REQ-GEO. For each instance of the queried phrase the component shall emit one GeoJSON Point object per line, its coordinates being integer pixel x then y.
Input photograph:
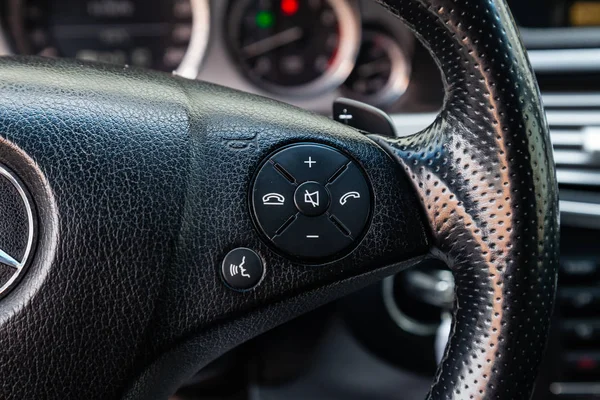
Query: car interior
{"type": "Point", "coordinates": [299, 199]}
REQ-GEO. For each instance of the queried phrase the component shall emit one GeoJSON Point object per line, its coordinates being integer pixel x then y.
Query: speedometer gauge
{"type": "Point", "coordinates": [301, 47]}
{"type": "Point", "coordinates": [382, 72]}
{"type": "Point", "coordinates": [166, 35]}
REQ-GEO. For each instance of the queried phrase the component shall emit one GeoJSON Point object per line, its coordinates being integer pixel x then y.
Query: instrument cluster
{"type": "Point", "coordinates": [166, 35]}
{"type": "Point", "coordinates": [290, 49]}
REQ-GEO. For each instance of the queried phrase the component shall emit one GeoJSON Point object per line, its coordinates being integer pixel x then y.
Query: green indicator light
{"type": "Point", "coordinates": [264, 19]}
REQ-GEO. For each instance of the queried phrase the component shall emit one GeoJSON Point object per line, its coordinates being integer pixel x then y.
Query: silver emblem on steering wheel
{"type": "Point", "coordinates": [16, 234]}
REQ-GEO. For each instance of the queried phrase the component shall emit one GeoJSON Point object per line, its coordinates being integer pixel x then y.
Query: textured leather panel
{"type": "Point", "coordinates": [148, 179]}
{"type": "Point", "coordinates": [485, 174]}
{"type": "Point", "coordinates": [110, 146]}
{"type": "Point", "coordinates": [175, 367]}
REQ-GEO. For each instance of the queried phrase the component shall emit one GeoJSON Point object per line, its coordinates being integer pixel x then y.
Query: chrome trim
{"type": "Point", "coordinates": [565, 60]}
{"type": "Point", "coordinates": [552, 38]}
{"type": "Point", "coordinates": [567, 137]}
{"type": "Point", "coordinates": [19, 266]}
{"type": "Point", "coordinates": [579, 208]}
{"type": "Point", "coordinates": [192, 60]}
{"type": "Point", "coordinates": [574, 388]}
{"type": "Point", "coordinates": [435, 289]}
{"type": "Point", "coordinates": [578, 177]}
{"type": "Point", "coordinates": [573, 157]}
{"type": "Point", "coordinates": [407, 124]}
{"type": "Point", "coordinates": [591, 140]}
{"type": "Point", "coordinates": [572, 118]}
{"type": "Point", "coordinates": [562, 100]}
{"type": "Point", "coordinates": [6, 259]}
{"type": "Point", "coordinates": [402, 320]}
{"type": "Point", "coordinates": [442, 336]}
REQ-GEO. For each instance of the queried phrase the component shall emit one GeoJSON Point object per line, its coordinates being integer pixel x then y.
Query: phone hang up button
{"type": "Point", "coordinates": [272, 199]}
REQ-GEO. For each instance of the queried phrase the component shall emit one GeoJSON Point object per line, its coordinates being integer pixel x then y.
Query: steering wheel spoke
{"type": "Point", "coordinates": [149, 197]}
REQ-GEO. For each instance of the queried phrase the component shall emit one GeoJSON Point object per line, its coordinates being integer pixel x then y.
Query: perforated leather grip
{"type": "Point", "coordinates": [485, 174]}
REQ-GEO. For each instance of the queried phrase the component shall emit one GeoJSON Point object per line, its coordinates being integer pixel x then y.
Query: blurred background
{"type": "Point", "coordinates": [385, 341]}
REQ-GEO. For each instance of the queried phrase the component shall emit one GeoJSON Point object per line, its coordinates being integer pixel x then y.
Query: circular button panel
{"type": "Point", "coordinates": [311, 201]}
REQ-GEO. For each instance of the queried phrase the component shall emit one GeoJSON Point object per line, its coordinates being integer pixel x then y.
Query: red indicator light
{"type": "Point", "coordinates": [290, 7]}
{"type": "Point", "coordinates": [586, 363]}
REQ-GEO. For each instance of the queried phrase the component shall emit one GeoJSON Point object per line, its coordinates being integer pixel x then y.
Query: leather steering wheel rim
{"type": "Point", "coordinates": [140, 180]}
{"type": "Point", "coordinates": [484, 171]}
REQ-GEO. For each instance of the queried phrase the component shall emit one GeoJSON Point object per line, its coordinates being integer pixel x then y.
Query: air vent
{"type": "Point", "coordinates": [575, 70]}
{"type": "Point", "coordinates": [575, 129]}
{"type": "Point", "coordinates": [574, 121]}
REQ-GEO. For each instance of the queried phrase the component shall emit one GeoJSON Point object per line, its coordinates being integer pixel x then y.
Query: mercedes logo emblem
{"type": "Point", "coordinates": [17, 226]}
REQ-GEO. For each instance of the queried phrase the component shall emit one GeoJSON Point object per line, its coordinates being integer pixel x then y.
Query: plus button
{"type": "Point", "coordinates": [310, 162]}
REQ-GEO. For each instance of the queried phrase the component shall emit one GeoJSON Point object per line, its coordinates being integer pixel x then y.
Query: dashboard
{"type": "Point", "coordinates": [308, 53]}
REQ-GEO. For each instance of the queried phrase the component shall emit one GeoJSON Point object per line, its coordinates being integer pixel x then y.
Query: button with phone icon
{"type": "Point", "coordinates": [351, 200]}
{"type": "Point", "coordinates": [350, 195]}
{"type": "Point", "coordinates": [273, 199]}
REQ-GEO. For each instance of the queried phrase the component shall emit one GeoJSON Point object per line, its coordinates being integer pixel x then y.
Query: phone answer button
{"type": "Point", "coordinates": [351, 199]}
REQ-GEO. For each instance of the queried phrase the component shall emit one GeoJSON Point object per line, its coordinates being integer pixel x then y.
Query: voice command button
{"type": "Point", "coordinates": [242, 269]}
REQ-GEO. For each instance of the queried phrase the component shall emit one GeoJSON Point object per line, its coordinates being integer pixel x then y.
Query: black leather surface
{"type": "Point", "coordinates": [141, 182]}
{"type": "Point", "coordinates": [485, 174]}
{"type": "Point", "coordinates": [104, 155]}
{"type": "Point", "coordinates": [147, 178]}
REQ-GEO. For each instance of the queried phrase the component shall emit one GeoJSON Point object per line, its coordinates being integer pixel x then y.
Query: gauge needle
{"type": "Point", "coordinates": [272, 42]}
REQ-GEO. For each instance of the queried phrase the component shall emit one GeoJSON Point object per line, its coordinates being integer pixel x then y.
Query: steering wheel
{"type": "Point", "coordinates": [128, 195]}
